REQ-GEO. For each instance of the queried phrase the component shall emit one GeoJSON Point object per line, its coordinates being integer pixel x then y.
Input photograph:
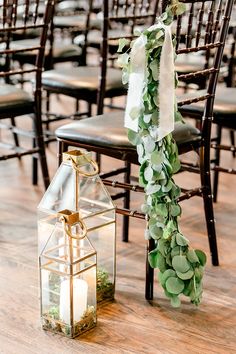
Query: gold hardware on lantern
{"type": "Point", "coordinates": [78, 159]}
{"type": "Point", "coordinates": [70, 219]}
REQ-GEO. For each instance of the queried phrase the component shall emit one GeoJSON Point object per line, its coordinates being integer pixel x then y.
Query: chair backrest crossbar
{"type": "Point", "coordinates": [18, 17]}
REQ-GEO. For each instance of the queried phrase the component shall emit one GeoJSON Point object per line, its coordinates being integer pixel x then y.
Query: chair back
{"type": "Point", "coordinates": [19, 18]}
{"type": "Point", "coordinates": [205, 27]}
{"type": "Point", "coordinates": [122, 17]}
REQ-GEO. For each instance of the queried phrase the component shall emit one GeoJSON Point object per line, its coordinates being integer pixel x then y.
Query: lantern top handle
{"type": "Point", "coordinates": [69, 219]}
{"type": "Point", "coordinates": [78, 159]}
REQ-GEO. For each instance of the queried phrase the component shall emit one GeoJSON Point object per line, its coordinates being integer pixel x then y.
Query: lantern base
{"type": "Point", "coordinates": [87, 322]}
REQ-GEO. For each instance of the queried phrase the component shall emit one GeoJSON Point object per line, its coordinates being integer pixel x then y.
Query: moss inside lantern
{"type": "Point", "coordinates": [105, 288]}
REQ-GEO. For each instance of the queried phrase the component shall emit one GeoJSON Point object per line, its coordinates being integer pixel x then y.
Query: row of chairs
{"type": "Point", "coordinates": [104, 133]}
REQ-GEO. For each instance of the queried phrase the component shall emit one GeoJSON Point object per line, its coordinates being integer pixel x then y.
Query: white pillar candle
{"type": "Point", "coordinates": [80, 293]}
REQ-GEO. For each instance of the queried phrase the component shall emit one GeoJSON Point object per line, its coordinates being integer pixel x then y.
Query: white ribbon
{"type": "Point", "coordinates": [137, 81]}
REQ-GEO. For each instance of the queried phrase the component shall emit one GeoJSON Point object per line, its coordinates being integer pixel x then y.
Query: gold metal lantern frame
{"type": "Point", "coordinates": [68, 278]}
{"type": "Point", "coordinates": [78, 187]}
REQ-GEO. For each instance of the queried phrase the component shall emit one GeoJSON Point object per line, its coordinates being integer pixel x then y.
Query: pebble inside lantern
{"type": "Point", "coordinates": [68, 278]}
{"type": "Point", "coordinates": [78, 187]}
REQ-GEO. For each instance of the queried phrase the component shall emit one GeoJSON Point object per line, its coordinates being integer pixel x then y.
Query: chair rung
{"type": "Point", "coordinates": [187, 194]}
{"type": "Point", "coordinates": [224, 147]}
{"type": "Point", "coordinates": [231, 171]}
{"type": "Point", "coordinates": [189, 168]}
{"type": "Point", "coordinates": [126, 186]}
{"type": "Point", "coordinates": [19, 154]}
{"type": "Point", "coordinates": [117, 196]}
{"type": "Point", "coordinates": [18, 131]}
{"type": "Point", "coordinates": [132, 213]}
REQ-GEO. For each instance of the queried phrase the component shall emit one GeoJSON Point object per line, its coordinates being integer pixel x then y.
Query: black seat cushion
{"type": "Point", "coordinates": [61, 51]}
{"type": "Point", "coordinates": [77, 22]}
{"type": "Point", "coordinates": [14, 101]}
{"type": "Point", "coordinates": [224, 106]}
{"type": "Point", "coordinates": [83, 82]}
{"type": "Point", "coordinates": [108, 131]}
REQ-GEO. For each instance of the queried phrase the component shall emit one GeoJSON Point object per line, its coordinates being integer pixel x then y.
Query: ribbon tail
{"type": "Point", "coordinates": [134, 103]}
{"type": "Point", "coordinates": [166, 88]}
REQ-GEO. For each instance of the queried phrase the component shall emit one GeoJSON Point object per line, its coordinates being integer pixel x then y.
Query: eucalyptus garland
{"type": "Point", "coordinates": [180, 267]}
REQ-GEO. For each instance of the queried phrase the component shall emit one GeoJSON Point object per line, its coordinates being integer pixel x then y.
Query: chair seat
{"type": "Point", "coordinates": [108, 130]}
{"type": "Point", "coordinates": [224, 106]}
{"type": "Point", "coordinates": [14, 101]}
{"type": "Point", "coordinates": [76, 21]}
{"type": "Point", "coordinates": [82, 81]}
{"type": "Point", "coordinates": [61, 50]}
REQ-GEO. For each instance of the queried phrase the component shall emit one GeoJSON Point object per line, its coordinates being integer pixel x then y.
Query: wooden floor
{"type": "Point", "coordinates": [129, 324]}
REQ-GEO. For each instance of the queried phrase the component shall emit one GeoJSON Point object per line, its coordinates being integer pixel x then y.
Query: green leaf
{"type": "Point", "coordinates": [133, 137]}
{"type": "Point", "coordinates": [168, 273]}
{"type": "Point", "coordinates": [166, 233]}
{"type": "Point", "coordinates": [180, 264]}
{"type": "Point", "coordinates": [192, 257]}
{"type": "Point", "coordinates": [148, 173]}
{"type": "Point", "coordinates": [201, 256]}
{"type": "Point", "coordinates": [156, 157]}
{"type": "Point", "coordinates": [160, 279]}
{"type": "Point", "coordinates": [185, 276]}
{"type": "Point", "coordinates": [175, 251]}
{"type": "Point", "coordinates": [181, 240]}
{"type": "Point", "coordinates": [161, 263]}
{"type": "Point", "coordinates": [167, 187]}
{"type": "Point", "coordinates": [153, 257]}
{"type": "Point", "coordinates": [161, 209]}
{"type": "Point", "coordinates": [155, 232]}
{"type": "Point", "coordinates": [199, 273]}
{"type": "Point", "coordinates": [152, 188]}
{"type": "Point", "coordinates": [122, 43]}
{"type": "Point", "coordinates": [175, 301]}
{"type": "Point", "coordinates": [149, 144]}
{"type": "Point", "coordinates": [171, 226]}
{"type": "Point", "coordinates": [123, 60]}
{"type": "Point", "coordinates": [175, 210]}
{"type": "Point", "coordinates": [162, 247]}
{"type": "Point", "coordinates": [181, 8]}
{"type": "Point", "coordinates": [134, 112]}
{"type": "Point", "coordinates": [174, 285]}
{"type": "Point", "coordinates": [172, 242]}
{"type": "Point", "coordinates": [155, 69]}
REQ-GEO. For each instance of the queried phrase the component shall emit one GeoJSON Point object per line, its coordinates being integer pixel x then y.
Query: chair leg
{"type": "Point", "coordinates": [208, 203]}
{"type": "Point", "coordinates": [62, 147]}
{"type": "Point", "coordinates": [149, 272]}
{"type": "Point", "coordinates": [34, 167]}
{"type": "Point", "coordinates": [47, 124]}
{"type": "Point", "coordinates": [41, 145]}
{"type": "Point", "coordinates": [217, 163]}
{"type": "Point", "coordinates": [15, 136]}
{"type": "Point", "coordinates": [125, 232]}
{"type": "Point", "coordinates": [232, 140]}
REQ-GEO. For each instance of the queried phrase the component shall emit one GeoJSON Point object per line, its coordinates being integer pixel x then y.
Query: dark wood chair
{"type": "Point", "coordinates": [83, 83]}
{"type": "Point", "coordinates": [105, 133]}
{"type": "Point", "coordinates": [14, 101]}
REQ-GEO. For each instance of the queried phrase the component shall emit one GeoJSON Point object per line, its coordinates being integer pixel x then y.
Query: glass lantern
{"type": "Point", "coordinates": [78, 187]}
{"type": "Point", "coordinates": [68, 277]}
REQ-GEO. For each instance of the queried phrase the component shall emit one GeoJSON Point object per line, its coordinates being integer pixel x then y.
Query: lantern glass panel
{"type": "Point", "coordinates": [101, 232]}
{"type": "Point", "coordinates": [68, 283]}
